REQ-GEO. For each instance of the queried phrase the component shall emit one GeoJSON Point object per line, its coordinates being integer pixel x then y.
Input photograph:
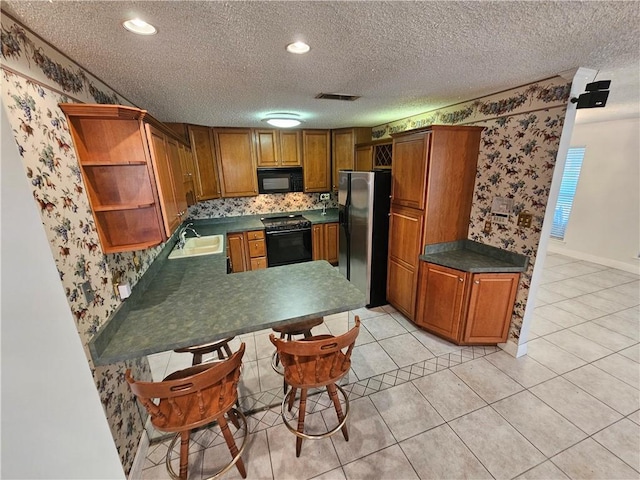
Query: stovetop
{"type": "Point", "coordinates": [288, 222]}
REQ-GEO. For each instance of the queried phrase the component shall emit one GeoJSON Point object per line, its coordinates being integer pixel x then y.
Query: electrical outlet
{"type": "Point", "coordinates": [325, 196]}
{"type": "Point", "coordinates": [88, 291]}
{"type": "Point", "coordinates": [524, 219]}
{"type": "Point", "coordinates": [487, 227]}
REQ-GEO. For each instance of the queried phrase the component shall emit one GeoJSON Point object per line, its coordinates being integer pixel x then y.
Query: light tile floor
{"type": "Point", "coordinates": [424, 408]}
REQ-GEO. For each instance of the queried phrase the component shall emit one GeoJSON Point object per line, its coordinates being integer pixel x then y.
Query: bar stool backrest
{"type": "Point", "coordinates": [318, 360]}
{"type": "Point", "coordinates": [187, 402]}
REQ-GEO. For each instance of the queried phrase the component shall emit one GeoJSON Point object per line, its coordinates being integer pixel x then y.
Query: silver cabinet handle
{"type": "Point", "coordinates": [477, 282]}
{"type": "Point", "coordinates": [460, 279]}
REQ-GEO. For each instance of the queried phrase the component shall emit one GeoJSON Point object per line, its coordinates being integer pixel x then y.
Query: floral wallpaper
{"type": "Point", "coordinates": [45, 146]}
{"type": "Point", "coordinates": [516, 160]}
{"type": "Point", "coordinates": [272, 203]}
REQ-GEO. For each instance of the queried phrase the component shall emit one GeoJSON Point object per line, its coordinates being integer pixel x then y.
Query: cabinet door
{"type": "Point", "coordinates": [409, 170]}
{"type": "Point", "coordinates": [236, 162]}
{"type": "Point", "coordinates": [236, 252]}
{"type": "Point", "coordinates": [405, 230]}
{"type": "Point", "coordinates": [342, 146]}
{"type": "Point", "coordinates": [401, 291]}
{"type": "Point", "coordinates": [290, 154]}
{"type": "Point", "coordinates": [206, 178]}
{"type": "Point", "coordinates": [161, 163]}
{"type": "Point", "coordinates": [317, 242]}
{"type": "Point", "coordinates": [317, 160]}
{"type": "Point", "coordinates": [331, 232]}
{"type": "Point", "coordinates": [173, 152]}
{"type": "Point", "coordinates": [267, 148]}
{"type": "Point", "coordinates": [364, 158]}
{"type": "Point", "coordinates": [490, 307]}
{"type": "Point", "coordinates": [440, 300]}
{"type": "Point", "coordinates": [188, 174]}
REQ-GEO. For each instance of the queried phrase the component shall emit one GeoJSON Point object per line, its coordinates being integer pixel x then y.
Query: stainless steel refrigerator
{"type": "Point", "coordinates": [363, 205]}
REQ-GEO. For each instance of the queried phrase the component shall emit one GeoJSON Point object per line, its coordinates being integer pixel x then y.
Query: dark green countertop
{"type": "Point", "coordinates": [189, 301]}
{"type": "Point", "coordinates": [470, 256]}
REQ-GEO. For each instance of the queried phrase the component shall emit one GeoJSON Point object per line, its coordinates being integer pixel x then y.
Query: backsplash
{"type": "Point", "coordinates": [271, 203]}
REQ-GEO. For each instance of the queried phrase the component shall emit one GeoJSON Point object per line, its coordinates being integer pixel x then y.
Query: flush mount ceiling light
{"type": "Point", "coordinates": [135, 25]}
{"type": "Point", "coordinates": [298, 47]}
{"type": "Point", "coordinates": [283, 120]}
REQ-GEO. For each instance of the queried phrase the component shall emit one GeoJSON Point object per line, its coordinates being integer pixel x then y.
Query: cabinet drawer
{"type": "Point", "coordinates": [257, 248]}
{"type": "Point", "coordinates": [258, 263]}
{"type": "Point", "coordinates": [255, 235]}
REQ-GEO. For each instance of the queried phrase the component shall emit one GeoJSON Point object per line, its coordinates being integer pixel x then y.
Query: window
{"type": "Point", "coordinates": [567, 191]}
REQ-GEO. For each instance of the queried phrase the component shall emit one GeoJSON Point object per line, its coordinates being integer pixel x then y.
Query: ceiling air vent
{"type": "Point", "coordinates": [338, 96]}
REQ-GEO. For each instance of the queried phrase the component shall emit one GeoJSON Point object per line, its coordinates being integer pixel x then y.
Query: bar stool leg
{"type": "Point", "coordinates": [184, 453]}
{"type": "Point", "coordinates": [233, 448]}
{"type": "Point", "coordinates": [292, 398]}
{"type": "Point", "coordinates": [301, 414]}
{"type": "Point", "coordinates": [333, 394]}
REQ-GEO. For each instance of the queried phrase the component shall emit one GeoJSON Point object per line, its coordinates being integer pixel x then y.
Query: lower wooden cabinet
{"type": "Point", "coordinates": [465, 308]}
{"type": "Point", "coordinates": [236, 252]}
{"type": "Point", "coordinates": [256, 249]}
{"type": "Point", "coordinates": [324, 239]}
{"type": "Point", "coordinates": [247, 251]}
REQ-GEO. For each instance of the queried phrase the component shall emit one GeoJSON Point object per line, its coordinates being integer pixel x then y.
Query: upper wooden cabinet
{"type": "Point", "coordinates": [316, 155]}
{"type": "Point", "coordinates": [343, 146]}
{"type": "Point", "coordinates": [188, 173]}
{"type": "Point", "coordinates": [466, 308]}
{"type": "Point", "coordinates": [278, 148]}
{"type": "Point", "coordinates": [165, 156]}
{"type": "Point", "coordinates": [132, 174]}
{"type": "Point", "coordinates": [236, 161]}
{"type": "Point", "coordinates": [433, 175]}
{"type": "Point", "coordinates": [364, 158]}
{"type": "Point", "coordinates": [206, 174]}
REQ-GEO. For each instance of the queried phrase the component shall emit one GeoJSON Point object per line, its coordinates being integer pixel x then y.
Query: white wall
{"type": "Point", "coordinates": [53, 424]}
{"type": "Point", "coordinates": [604, 225]}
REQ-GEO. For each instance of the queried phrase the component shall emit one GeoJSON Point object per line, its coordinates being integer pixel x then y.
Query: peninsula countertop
{"type": "Point", "coordinates": [189, 301]}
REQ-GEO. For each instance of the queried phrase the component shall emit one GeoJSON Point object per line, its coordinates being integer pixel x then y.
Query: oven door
{"type": "Point", "coordinates": [288, 246]}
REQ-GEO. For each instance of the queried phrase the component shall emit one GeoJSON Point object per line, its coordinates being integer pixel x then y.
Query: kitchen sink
{"type": "Point", "coordinates": [197, 246]}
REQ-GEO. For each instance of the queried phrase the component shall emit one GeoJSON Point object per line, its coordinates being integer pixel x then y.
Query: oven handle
{"type": "Point", "coordinates": [276, 232]}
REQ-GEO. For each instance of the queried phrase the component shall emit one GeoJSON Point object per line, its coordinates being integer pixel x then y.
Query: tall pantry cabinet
{"type": "Point", "coordinates": [433, 175]}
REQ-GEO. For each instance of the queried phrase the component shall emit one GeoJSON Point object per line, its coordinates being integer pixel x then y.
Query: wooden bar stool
{"type": "Point", "coordinates": [199, 350]}
{"type": "Point", "coordinates": [288, 332]}
{"type": "Point", "coordinates": [191, 398]}
{"type": "Point", "coordinates": [314, 362]}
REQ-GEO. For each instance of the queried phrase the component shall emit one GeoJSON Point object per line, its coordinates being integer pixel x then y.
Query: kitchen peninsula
{"type": "Point", "coordinates": [189, 301]}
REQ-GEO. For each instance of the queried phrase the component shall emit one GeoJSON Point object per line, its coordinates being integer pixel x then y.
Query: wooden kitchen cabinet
{"type": "Point", "coordinates": [187, 166]}
{"type": "Point", "coordinates": [343, 147]}
{"type": "Point", "coordinates": [278, 148]}
{"type": "Point", "coordinates": [405, 232]}
{"type": "Point", "coordinates": [132, 174]}
{"type": "Point", "coordinates": [466, 308]}
{"type": "Point", "coordinates": [206, 181]}
{"type": "Point", "coordinates": [236, 160]}
{"type": "Point", "coordinates": [236, 252]}
{"type": "Point", "coordinates": [316, 157]}
{"type": "Point", "coordinates": [373, 155]}
{"type": "Point", "coordinates": [324, 239]}
{"type": "Point", "coordinates": [433, 176]}
{"type": "Point", "coordinates": [256, 249]}
{"type": "Point", "coordinates": [165, 155]}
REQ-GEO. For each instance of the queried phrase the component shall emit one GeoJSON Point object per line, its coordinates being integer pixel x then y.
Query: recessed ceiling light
{"type": "Point", "coordinates": [298, 47]}
{"type": "Point", "coordinates": [135, 25]}
{"type": "Point", "coordinates": [283, 120]}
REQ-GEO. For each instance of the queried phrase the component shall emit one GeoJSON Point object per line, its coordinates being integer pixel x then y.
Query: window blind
{"type": "Point", "coordinates": [567, 191]}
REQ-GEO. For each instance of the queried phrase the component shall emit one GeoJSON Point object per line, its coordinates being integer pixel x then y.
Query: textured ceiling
{"type": "Point", "coordinates": [224, 63]}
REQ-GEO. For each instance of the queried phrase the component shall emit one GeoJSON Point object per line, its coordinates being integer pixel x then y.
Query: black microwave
{"type": "Point", "coordinates": [280, 180]}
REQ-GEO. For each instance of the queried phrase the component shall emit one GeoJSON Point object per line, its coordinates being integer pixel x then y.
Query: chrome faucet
{"type": "Point", "coordinates": [182, 236]}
